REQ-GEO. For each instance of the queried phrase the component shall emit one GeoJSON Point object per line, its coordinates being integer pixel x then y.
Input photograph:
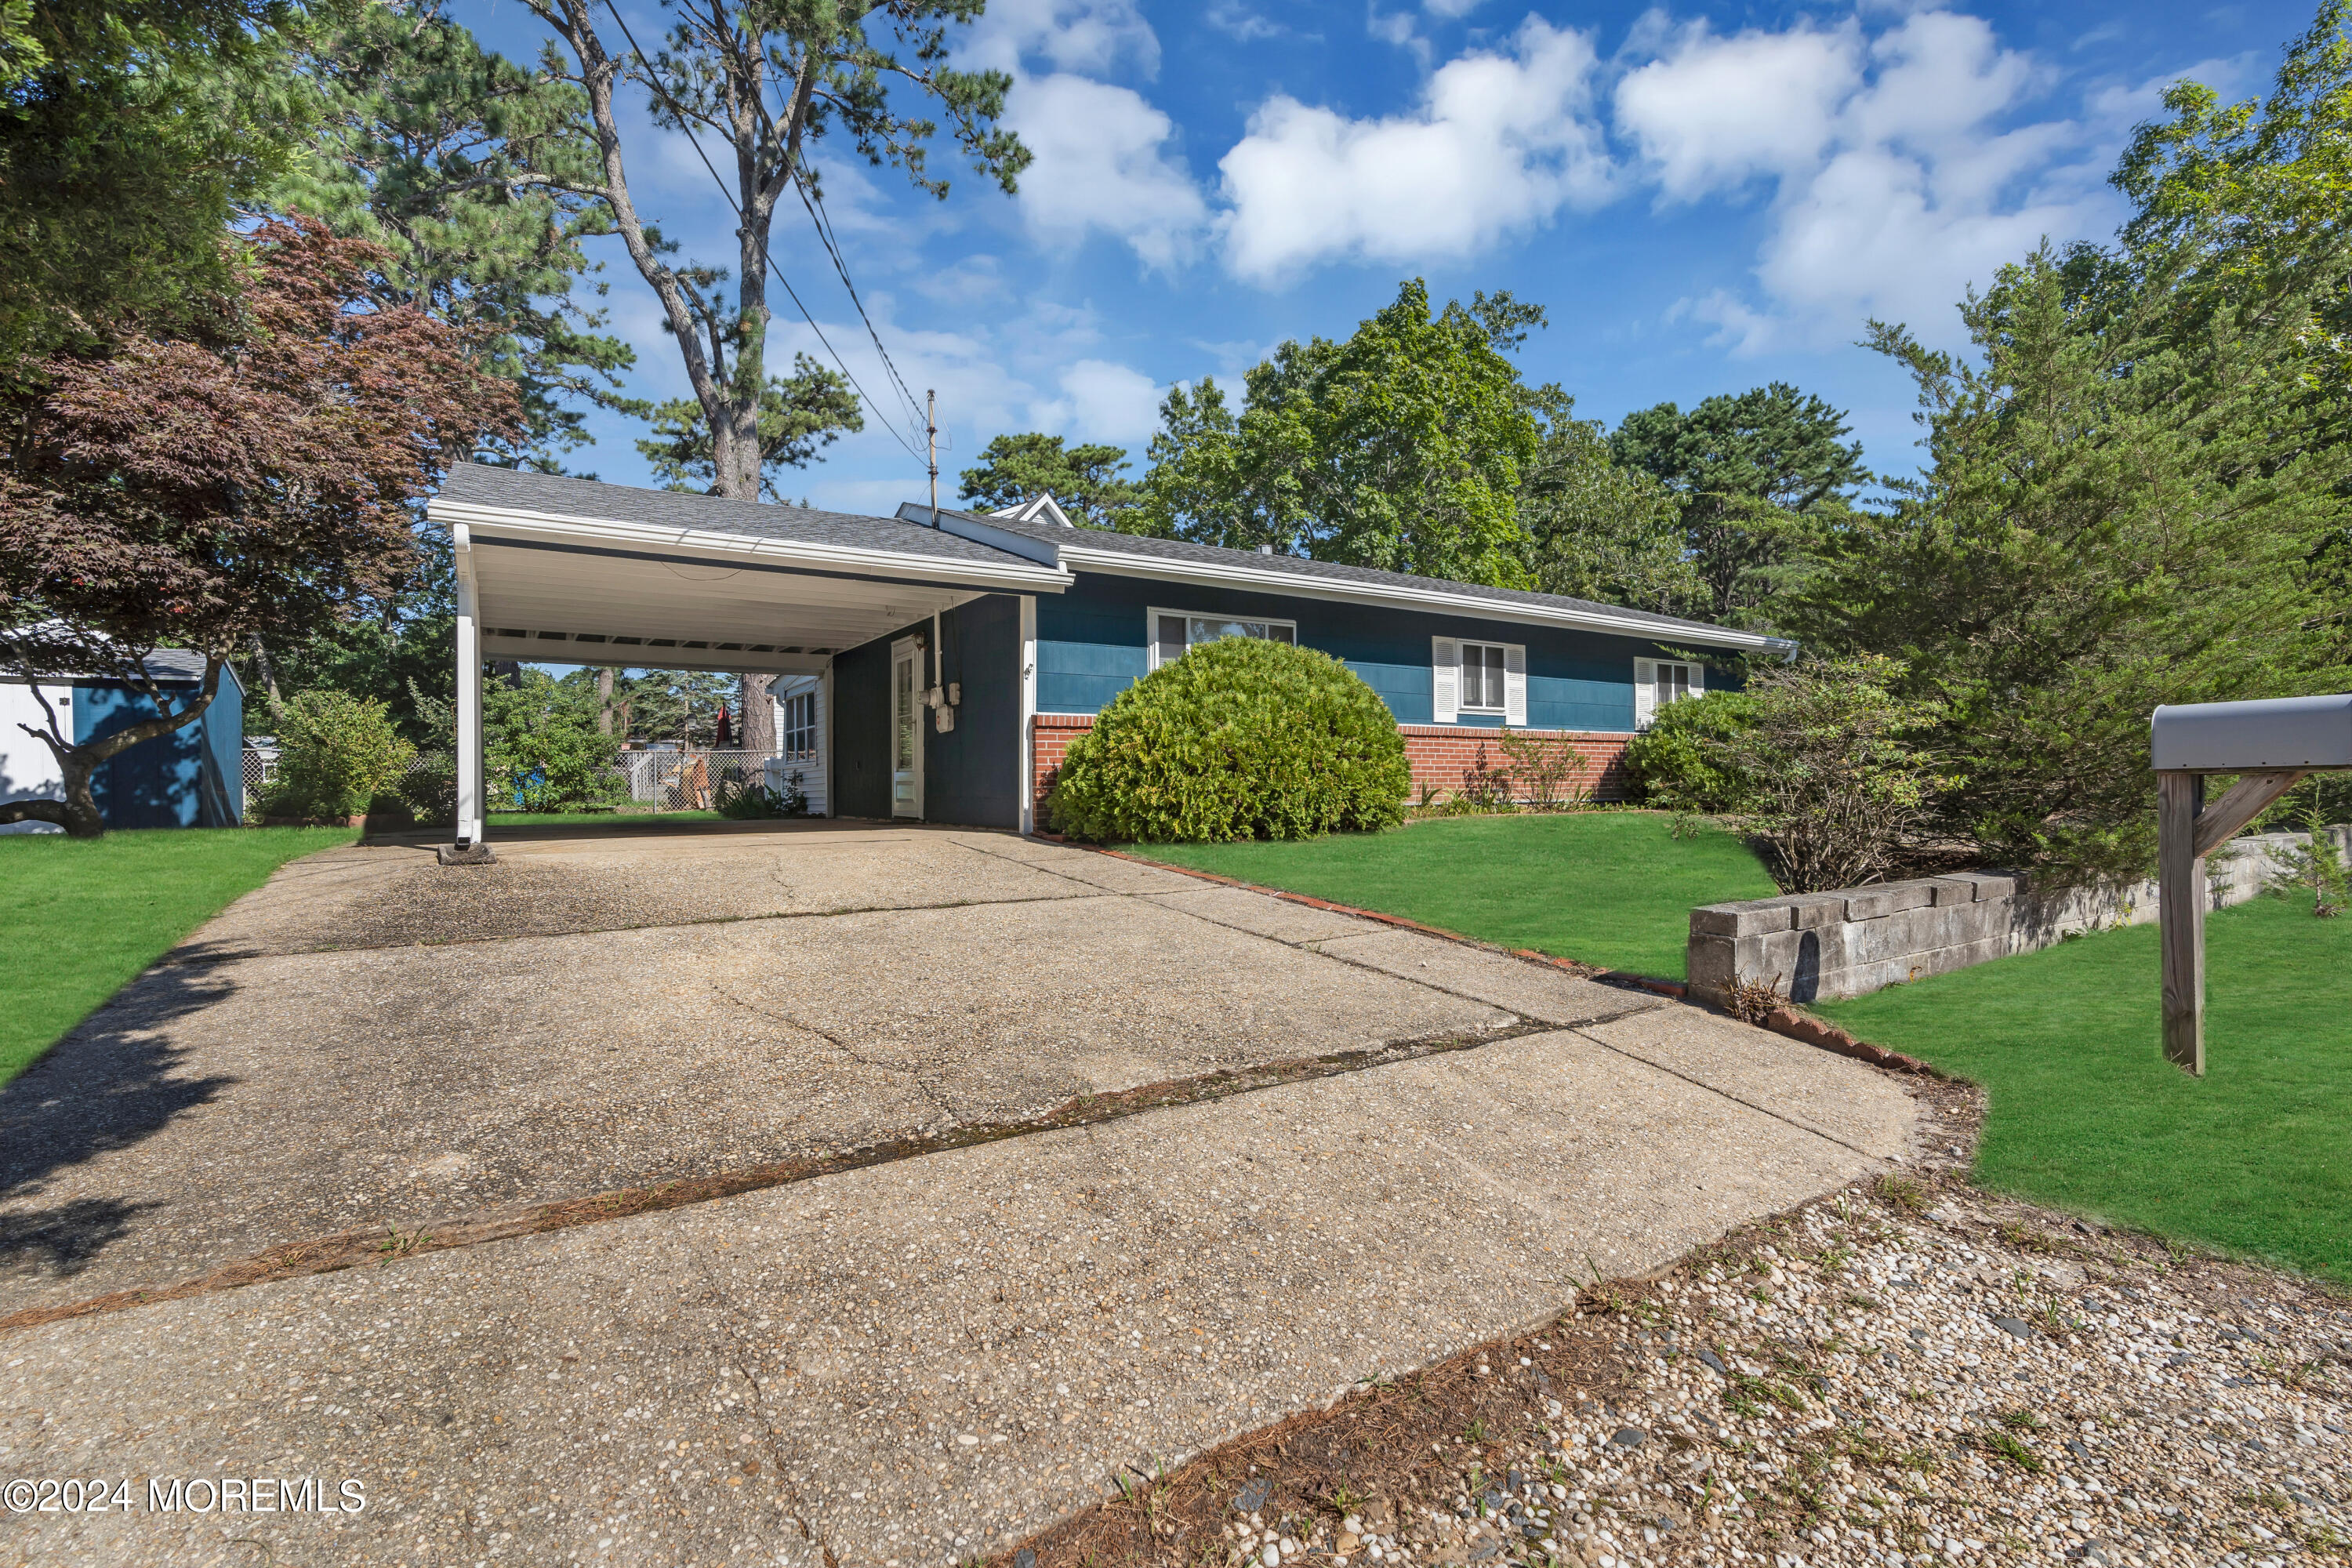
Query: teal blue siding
{"type": "Point", "coordinates": [971, 774]}
{"type": "Point", "coordinates": [1092, 644]}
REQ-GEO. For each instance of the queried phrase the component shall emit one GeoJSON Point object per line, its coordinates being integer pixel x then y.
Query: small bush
{"type": "Point", "coordinates": [1835, 794]}
{"type": "Point", "coordinates": [1241, 738]}
{"type": "Point", "coordinates": [1678, 763]}
{"type": "Point", "coordinates": [1548, 770]}
{"type": "Point", "coordinates": [543, 748]}
{"type": "Point", "coordinates": [336, 751]}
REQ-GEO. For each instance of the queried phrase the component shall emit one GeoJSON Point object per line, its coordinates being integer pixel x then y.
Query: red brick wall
{"type": "Point", "coordinates": [1054, 731]}
{"type": "Point", "coordinates": [1440, 755]}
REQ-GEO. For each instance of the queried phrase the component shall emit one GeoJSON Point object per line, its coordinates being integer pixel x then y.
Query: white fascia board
{"type": "Point", "coordinates": [1436, 600]}
{"type": "Point", "coordinates": [503, 522]}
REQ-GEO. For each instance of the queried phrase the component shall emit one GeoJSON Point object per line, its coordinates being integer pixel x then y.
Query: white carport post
{"type": "Point", "coordinates": [469, 702]}
{"type": "Point", "coordinates": [2270, 746]}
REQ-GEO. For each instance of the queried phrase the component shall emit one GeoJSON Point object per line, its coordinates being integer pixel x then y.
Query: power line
{"type": "Point", "coordinates": [686, 125]}
{"type": "Point", "coordinates": [824, 222]}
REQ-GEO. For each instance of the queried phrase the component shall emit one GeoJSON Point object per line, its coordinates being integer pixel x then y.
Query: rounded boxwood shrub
{"type": "Point", "coordinates": [1241, 738]}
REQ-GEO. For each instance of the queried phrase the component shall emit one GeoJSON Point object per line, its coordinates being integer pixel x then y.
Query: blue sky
{"type": "Point", "coordinates": [1704, 198]}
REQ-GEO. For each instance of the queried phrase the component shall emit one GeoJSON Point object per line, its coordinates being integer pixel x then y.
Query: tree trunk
{"type": "Point", "coordinates": [604, 701]}
{"type": "Point", "coordinates": [759, 714]}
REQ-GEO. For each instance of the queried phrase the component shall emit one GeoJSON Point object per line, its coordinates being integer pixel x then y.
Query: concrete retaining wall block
{"type": "Point", "coordinates": [1855, 940]}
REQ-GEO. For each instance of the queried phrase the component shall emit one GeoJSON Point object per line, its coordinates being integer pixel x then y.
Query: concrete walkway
{"type": "Point", "coordinates": [904, 1363]}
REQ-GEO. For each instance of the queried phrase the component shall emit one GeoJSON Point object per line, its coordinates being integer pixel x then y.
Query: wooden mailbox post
{"type": "Point", "coordinates": [2271, 745]}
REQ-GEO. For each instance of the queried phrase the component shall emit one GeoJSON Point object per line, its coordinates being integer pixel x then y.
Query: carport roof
{"type": "Point", "coordinates": [572, 571]}
{"type": "Point", "coordinates": [558, 497]}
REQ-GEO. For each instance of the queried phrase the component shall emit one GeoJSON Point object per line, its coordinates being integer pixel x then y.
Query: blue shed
{"type": "Point", "coordinates": [193, 777]}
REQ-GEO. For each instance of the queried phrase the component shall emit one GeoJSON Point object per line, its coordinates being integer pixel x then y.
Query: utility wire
{"type": "Point", "coordinates": [686, 124]}
{"type": "Point", "coordinates": [824, 222]}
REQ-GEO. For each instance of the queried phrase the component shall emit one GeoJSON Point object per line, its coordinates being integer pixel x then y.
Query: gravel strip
{"type": "Point", "coordinates": [1906, 1371]}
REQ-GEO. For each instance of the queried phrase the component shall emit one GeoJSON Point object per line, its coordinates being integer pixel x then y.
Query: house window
{"type": "Point", "coordinates": [1480, 681]}
{"type": "Point", "coordinates": [1174, 631]}
{"type": "Point", "coordinates": [798, 731]}
{"type": "Point", "coordinates": [1658, 681]}
{"type": "Point", "coordinates": [1482, 677]}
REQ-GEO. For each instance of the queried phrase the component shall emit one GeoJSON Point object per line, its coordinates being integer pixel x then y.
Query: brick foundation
{"type": "Point", "coordinates": [1441, 755]}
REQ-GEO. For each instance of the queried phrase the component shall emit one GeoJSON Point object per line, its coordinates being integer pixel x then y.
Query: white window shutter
{"type": "Point", "coordinates": [1646, 693]}
{"type": "Point", "coordinates": [1445, 680]}
{"type": "Point", "coordinates": [1697, 677]}
{"type": "Point", "coordinates": [1514, 684]}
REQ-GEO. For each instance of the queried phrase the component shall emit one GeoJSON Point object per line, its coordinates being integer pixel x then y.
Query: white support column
{"type": "Point", "coordinates": [469, 695]}
{"type": "Point", "coordinates": [1027, 749]}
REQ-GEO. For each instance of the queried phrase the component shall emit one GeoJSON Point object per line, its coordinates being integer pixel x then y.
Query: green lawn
{"type": "Point", "coordinates": [2256, 1158]}
{"type": "Point", "coordinates": [78, 918]}
{"type": "Point", "coordinates": [1614, 889]}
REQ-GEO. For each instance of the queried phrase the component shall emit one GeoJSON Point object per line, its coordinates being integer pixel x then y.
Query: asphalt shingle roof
{"type": "Point", "coordinates": [1328, 571]}
{"type": "Point", "coordinates": [479, 484]}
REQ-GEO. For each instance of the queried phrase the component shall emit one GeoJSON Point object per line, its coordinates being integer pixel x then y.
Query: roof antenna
{"type": "Point", "coordinates": [932, 428]}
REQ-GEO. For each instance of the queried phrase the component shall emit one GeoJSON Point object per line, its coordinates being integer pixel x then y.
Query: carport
{"type": "Point", "coordinates": [571, 571]}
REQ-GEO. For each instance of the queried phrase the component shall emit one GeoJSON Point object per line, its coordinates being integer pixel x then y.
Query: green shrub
{"type": "Point", "coordinates": [1241, 738]}
{"type": "Point", "coordinates": [1678, 763]}
{"type": "Point", "coordinates": [542, 749]}
{"type": "Point", "coordinates": [336, 751]}
{"type": "Point", "coordinates": [1837, 792]}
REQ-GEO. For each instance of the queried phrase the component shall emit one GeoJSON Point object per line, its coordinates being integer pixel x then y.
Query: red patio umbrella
{"type": "Point", "coordinates": [725, 740]}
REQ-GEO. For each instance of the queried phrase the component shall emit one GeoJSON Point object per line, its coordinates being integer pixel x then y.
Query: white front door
{"type": "Point", "coordinates": [906, 729]}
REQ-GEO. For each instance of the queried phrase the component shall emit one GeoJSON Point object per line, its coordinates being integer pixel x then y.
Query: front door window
{"type": "Point", "coordinates": [906, 732]}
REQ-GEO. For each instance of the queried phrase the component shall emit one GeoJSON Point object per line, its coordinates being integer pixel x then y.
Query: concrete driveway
{"type": "Point", "coordinates": [903, 1362]}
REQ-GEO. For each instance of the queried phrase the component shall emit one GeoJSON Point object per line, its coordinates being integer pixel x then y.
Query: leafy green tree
{"type": "Point", "coordinates": [2258, 188]}
{"type": "Point", "coordinates": [665, 704]}
{"type": "Point", "coordinates": [1824, 763]}
{"type": "Point", "coordinates": [460, 165]}
{"type": "Point", "coordinates": [2119, 515]}
{"type": "Point", "coordinates": [398, 640]}
{"type": "Point", "coordinates": [1759, 475]}
{"type": "Point", "coordinates": [800, 415]}
{"type": "Point", "coordinates": [769, 83]}
{"type": "Point", "coordinates": [542, 746]}
{"type": "Point", "coordinates": [205, 493]}
{"type": "Point", "coordinates": [130, 132]}
{"type": "Point", "coordinates": [1401, 447]}
{"type": "Point", "coordinates": [1086, 479]}
{"type": "Point", "coordinates": [1598, 529]}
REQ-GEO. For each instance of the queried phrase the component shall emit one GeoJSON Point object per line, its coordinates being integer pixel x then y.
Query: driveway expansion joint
{"type": "Point", "coordinates": [377, 1245]}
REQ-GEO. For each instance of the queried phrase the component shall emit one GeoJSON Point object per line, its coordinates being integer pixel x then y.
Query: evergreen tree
{"type": "Point", "coordinates": [1759, 475]}
{"type": "Point", "coordinates": [460, 165]}
{"type": "Point", "coordinates": [1087, 481]}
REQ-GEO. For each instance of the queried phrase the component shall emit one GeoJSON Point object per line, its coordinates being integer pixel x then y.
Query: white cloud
{"type": "Point", "coordinates": [1102, 401]}
{"type": "Point", "coordinates": [1240, 23]}
{"type": "Point", "coordinates": [1893, 188]}
{"type": "Point", "coordinates": [1091, 36]}
{"type": "Point", "coordinates": [1717, 111]}
{"type": "Point", "coordinates": [1103, 162]}
{"type": "Point", "coordinates": [1501, 142]}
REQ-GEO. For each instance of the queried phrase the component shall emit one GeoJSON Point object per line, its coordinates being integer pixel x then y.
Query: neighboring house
{"type": "Point", "coordinates": [193, 777]}
{"type": "Point", "coordinates": [948, 659]}
{"type": "Point", "coordinates": [799, 738]}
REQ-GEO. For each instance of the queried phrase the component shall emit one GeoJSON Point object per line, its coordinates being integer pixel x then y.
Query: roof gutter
{"type": "Point", "coordinates": [1022, 574]}
{"type": "Point", "coordinates": [1120, 563]}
